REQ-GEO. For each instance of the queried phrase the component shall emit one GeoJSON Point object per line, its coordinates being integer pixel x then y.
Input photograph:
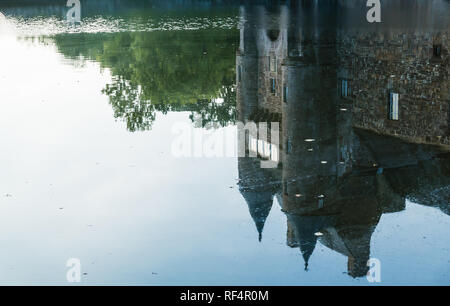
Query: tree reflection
{"type": "Point", "coordinates": [164, 71]}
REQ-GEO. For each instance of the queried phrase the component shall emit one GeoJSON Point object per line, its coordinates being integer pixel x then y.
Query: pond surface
{"type": "Point", "coordinates": [124, 145]}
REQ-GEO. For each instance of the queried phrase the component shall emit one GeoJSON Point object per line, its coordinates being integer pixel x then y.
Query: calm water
{"type": "Point", "coordinates": [88, 126]}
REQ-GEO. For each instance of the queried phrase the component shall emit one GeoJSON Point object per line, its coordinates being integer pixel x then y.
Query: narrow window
{"type": "Point", "coordinates": [320, 203]}
{"type": "Point", "coordinates": [288, 146]}
{"type": "Point", "coordinates": [273, 63]}
{"type": "Point", "coordinates": [239, 73]}
{"type": "Point", "coordinates": [437, 50]}
{"type": "Point", "coordinates": [344, 89]}
{"type": "Point", "coordinates": [285, 188]}
{"type": "Point", "coordinates": [272, 88]}
{"type": "Point", "coordinates": [285, 94]}
{"type": "Point", "coordinates": [393, 106]}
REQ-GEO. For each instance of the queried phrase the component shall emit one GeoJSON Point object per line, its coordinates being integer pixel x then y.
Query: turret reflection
{"type": "Point", "coordinates": [364, 121]}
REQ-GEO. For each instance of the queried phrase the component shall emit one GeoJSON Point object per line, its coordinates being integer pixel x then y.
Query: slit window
{"type": "Point", "coordinates": [393, 106]}
{"type": "Point", "coordinates": [273, 64]}
{"type": "Point", "coordinates": [272, 85]}
{"type": "Point", "coordinates": [288, 146]}
{"type": "Point", "coordinates": [285, 188]}
{"type": "Point", "coordinates": [285, 94]}
{"type": "Point", "coordinates": [345, 92]}
{"type": "Point", "coordinates": [320, 203]}
{"type": "Point", "coordinates": [239, 73]}
{"type": "Point", "coordinates": [437, 49]}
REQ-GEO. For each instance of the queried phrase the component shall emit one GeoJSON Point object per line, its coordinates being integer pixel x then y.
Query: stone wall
{"type": "Point", "coordinates": [402, 63]}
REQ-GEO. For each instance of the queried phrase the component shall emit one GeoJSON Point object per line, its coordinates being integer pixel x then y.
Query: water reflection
{"type": "Point", "coordinates": [363, 109]}
{"type": "Point", "coordinates": [187, 65]}
{"type": "Point", "coordinates": [99, 16]}
{"type": "Point", "coordinates": [162, 72]}
{"type": "Point", "coordinates": [364, 116]}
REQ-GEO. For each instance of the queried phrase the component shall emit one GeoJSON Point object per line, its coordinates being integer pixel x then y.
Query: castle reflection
{"type": "Point", "coordinates": [363, 113]}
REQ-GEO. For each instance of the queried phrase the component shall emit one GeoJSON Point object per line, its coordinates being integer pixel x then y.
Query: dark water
{"type": "Point", "coordinates": [358, 170]}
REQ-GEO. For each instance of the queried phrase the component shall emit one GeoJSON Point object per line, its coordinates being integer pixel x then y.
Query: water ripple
{"type": "Point", "coordinates": [43, 26]}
